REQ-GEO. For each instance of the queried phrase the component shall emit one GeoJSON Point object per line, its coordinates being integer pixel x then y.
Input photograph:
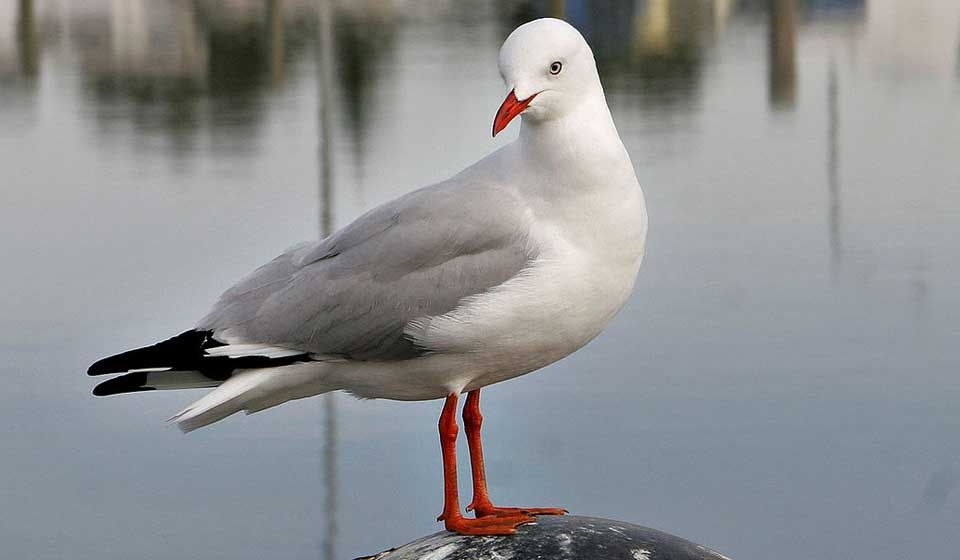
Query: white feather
{"type": "Point", "coordinates": [252, 391]}
{"type": "Point", "coordinates": [244, 350]}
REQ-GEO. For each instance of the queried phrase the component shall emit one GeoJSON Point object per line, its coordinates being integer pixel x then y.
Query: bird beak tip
{"type": "Point", "coordinates": [509, 109]}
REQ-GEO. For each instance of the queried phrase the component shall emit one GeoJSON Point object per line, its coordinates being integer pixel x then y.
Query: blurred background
{"type": "Point", "coordinates": [784, 382]}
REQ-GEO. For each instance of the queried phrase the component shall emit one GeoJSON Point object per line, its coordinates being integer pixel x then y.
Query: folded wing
{"type": "Point", "coordinates": [352, 295]}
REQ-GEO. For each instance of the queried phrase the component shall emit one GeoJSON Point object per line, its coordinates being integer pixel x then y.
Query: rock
{"type": "Point", "coordinates": [565, 537]}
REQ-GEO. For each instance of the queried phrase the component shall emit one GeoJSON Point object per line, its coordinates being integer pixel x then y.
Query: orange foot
{"type": "Point", "coordinates": [490, 510]}
{"type": "Point", "coordinates": [500, 525]}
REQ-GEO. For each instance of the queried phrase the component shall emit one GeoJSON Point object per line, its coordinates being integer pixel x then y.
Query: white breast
{"type": "Point", "coordinates": [551, 309]}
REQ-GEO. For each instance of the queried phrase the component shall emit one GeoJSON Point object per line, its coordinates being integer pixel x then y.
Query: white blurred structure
{"type": "Point", "coordinates": [920, 38]}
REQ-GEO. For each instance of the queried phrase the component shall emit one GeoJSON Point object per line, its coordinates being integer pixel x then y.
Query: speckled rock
{"type": "Point", "coordinates": [565, 537]}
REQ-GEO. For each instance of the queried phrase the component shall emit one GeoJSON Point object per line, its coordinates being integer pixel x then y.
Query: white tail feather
{"type": "Point", "coordinates": [252, 391]}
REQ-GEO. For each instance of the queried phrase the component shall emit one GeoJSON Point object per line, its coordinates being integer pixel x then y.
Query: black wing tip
{"type": "Point", "coordinates": [101, 367]}
{"type": "Point", "coordinates": [161, 354]}
{"type": "Point", "coordinates": [99, 391]}
{"type": "Point", "coordinates": [130, 383]}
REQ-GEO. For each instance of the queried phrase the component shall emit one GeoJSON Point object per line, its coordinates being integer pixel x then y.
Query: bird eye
{"type": "Point", "coordinates": [556, 67]}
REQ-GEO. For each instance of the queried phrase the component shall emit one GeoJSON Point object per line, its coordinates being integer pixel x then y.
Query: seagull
{"type": "Point", "coordinates": [510, 265]}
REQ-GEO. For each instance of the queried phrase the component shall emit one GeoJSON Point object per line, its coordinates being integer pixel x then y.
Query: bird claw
{"type": "Point", "coordinates": [495, 525]}
{"type": "Point", "coordinates": [494, 511]}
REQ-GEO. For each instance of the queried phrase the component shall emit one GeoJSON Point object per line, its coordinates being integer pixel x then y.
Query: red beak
{"type": "Point", "coordinates": [510, 109]}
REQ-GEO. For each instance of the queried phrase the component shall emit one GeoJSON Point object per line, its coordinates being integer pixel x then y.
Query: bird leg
{"type": "Point", "coordinates": [451, 516]}
{"type": "Point", "coordinates": [481, 505]}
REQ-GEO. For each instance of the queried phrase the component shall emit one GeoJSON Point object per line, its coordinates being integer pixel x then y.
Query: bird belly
{"type": "Point", "coordinates": [549, 310]}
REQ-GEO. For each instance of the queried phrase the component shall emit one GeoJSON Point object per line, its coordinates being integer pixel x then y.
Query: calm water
{"type": "Point", "coordinates": [784, 383]}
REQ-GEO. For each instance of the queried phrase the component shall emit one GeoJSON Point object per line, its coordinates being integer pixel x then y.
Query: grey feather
{"type": "Point", "coordinates": [353, 293]}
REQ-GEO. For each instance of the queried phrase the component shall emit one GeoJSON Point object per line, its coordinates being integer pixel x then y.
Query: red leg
{"type": "Point", "coordinates": [481, 505]}
{"type": "Point", "coordinates": [451, 516]}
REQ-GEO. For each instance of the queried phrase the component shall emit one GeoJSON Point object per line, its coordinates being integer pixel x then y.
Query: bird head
{"type": "Point", "coordinates": [548, 69]}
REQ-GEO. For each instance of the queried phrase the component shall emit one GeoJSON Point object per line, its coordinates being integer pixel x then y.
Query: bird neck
{"type": "Point", "coordinates": [587, 132]}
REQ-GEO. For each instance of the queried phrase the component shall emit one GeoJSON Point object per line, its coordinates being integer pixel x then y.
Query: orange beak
{"type": "Point", "coordinates": [508, 110]}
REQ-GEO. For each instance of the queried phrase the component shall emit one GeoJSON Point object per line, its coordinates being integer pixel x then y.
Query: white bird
{"type": "Point", "coordinates": [512, 264]}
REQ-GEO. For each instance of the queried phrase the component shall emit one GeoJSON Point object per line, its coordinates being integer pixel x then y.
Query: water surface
{"type": "Point", "coordinates": [782, 384]}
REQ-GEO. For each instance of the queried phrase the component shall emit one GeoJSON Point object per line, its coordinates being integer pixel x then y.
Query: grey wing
{"type": "Point", "coordinates": [353, 293]}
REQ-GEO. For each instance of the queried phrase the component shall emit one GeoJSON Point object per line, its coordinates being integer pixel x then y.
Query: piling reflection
{"type": "Point", "coordinates": [783, 58]}
{"type": "Point", "coordinates": [20, 48]}
{"type": "Point", "coordinates": [652, 51]}
{"type": "Point", "coordinates": [660, 52]}
{"type": "Point", "coordinates": [325, 99]}
{"type": "Point", "coordinates": [834, 212]}
{"type": "Point", "coordinates": [939, 486]}
{"type": "Point", "coordinates": [364, 46]}
{"type": "Point", "coordinates": [27, 39]}
{"type": "Point", "coordinates": [175, 68]}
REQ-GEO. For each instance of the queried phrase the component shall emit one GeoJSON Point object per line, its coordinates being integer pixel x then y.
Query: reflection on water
{"type": "Point", "coordinates": [363, 45]}
{"type": "Point", "coordinates": [783, 66]}
{"type": "Point", "coordinates": [325, 65]}
{"type": "Point", "coordinates": [784, 381]}
{"type": "Point", "coordinates": [939, 486]}
{"type": "Point", "coordinates": [833, 166]}
{"type": "Point", "coordinates": [27, 39]}
{"type": "Point", "coordinates": [176, 67]}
